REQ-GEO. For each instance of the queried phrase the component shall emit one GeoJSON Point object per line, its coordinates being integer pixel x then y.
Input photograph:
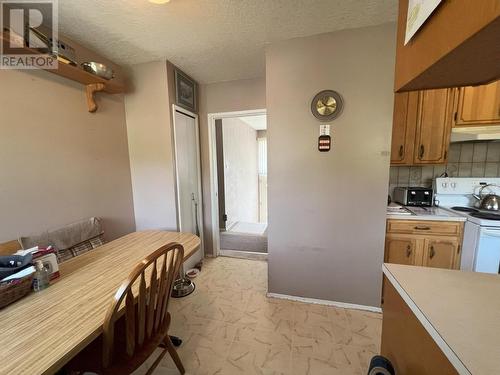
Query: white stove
{"type": "Point", "coordinates": [481, 244]}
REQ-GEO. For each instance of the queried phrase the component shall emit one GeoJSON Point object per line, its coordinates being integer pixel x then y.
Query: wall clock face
{"type": "Point", "coordinates": [327, 105]}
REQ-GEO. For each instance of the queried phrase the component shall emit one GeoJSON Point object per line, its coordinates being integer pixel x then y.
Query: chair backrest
{"type": "Point", "coordinates": [146, 303]}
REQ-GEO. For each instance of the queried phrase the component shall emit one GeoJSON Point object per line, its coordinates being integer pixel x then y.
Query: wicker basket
{"type": "Point", "coordinates": [11, 292]}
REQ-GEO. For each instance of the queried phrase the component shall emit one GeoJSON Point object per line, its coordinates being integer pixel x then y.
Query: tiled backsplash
{"type": "Point", "coordinates": [471, 159]}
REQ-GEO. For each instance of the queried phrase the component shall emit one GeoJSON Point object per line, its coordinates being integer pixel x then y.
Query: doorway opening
{"type": "Point", "coordinates": [239, 166]}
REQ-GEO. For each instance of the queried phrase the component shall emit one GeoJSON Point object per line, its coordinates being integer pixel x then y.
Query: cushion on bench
{"type": "Point", "coordinates": [71, 240]}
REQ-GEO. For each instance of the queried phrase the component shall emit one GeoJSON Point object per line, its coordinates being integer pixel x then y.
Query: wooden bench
{"type": "Point", "coordinates": [10, 247]}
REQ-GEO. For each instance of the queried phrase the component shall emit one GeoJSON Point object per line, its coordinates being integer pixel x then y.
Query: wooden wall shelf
{"type": "Point", "coordinates": [77, 74]}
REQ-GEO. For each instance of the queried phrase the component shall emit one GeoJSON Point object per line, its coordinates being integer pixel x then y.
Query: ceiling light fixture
{"type": "Point", "coordinates": [159, 1]}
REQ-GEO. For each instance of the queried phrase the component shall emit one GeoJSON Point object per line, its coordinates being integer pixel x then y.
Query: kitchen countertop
{"type": "Point", "coordinates": [427, 213]}
{"type": "Point", "coordinates": [459, 310]}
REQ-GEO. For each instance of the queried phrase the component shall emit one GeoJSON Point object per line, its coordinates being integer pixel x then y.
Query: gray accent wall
{"type": "Point", "coordinates": [327, 210]}
{"type": "Point", "coordinates": [150, 141]}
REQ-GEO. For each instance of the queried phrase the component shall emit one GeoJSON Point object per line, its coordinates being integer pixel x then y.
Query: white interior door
{"type": "Point", "coordinates": [187, 163]}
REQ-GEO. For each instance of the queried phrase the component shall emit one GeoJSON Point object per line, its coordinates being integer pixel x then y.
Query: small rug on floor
{"type": "Point", "coordinates": [243, 242]}
{"type": "Point", "coordinates": [249, 228]}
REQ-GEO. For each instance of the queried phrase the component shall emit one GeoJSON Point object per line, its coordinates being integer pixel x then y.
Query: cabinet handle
{"type": "Point", "coordinates": [432, 252]}
{"type": "Point", "coordinates": [401, 151]}
{"type": "Point", "coordinates": [408, 251]}
{"type": "Point", "coordinates": [422, 228]}
{"type": "Point", "coordinates": [421, 153]}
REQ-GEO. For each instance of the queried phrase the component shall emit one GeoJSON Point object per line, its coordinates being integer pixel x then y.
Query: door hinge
{"type": "Point", "coordinates": [455, 116]}
{"type": "Point", "coordinates": [224, 217]}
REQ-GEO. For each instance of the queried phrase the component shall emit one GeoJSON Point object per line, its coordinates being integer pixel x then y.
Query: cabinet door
{"type": "Point", "coordinates": [403, 128]}
{"type": "Point", "coordinates": [400, 249]}
{"type": "Point", "coordinates": [479, 105]}
{"type": "Point", "coordinates": [433, 126]}
{"type": "Point", "coordinates": [441, 253]}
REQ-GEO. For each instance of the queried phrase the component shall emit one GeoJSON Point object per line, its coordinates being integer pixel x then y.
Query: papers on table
{"type": "Point", "coordinates": [396, 209]}
{"type": "Point", "coordinates": [27, 251]}
{"type": "Point", "coordinates": [19, 275]}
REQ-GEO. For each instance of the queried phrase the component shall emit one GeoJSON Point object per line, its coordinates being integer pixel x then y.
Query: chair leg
{"type": "Point", "coordinates": [177, 341]}
{"type": "Point", "coordinates": [173, 354]}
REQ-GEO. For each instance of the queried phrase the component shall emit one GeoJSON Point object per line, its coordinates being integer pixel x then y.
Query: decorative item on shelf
{"type": "Point", "coordinates": [99, 70]}
{"type": "Point", "coordinates": [185, 91]}
{"type": "Point", "coordinates": [327, 105]}
{"type": "Point", "coordinates": [64, 52]}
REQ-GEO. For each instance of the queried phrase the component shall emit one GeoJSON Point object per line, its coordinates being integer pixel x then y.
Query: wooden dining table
{"type": "Point", "coordinates": [43, 331]}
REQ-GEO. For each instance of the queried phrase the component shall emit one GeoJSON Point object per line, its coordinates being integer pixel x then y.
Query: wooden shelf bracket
{"type": "Point", "coordinates": [91, 90]}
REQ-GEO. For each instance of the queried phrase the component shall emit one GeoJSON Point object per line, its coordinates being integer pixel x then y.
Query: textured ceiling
{"type": "Point", "coordinates": [213, 40]}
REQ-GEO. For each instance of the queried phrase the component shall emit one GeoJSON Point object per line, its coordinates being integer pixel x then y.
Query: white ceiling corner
{"type": "Point", "coordinates": [212, 40]}
{"type": "Point", "coordinates": [258, 122]}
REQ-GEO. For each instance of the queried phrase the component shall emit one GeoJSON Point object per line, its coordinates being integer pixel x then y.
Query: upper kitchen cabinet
{"type": "Point", "coordinates": [403, 128]}
{"type": "Point", "coordinates": [458, 45]}
{"type": "Point", "coordinates": [478, 106]}
{"type": "Point", "coordinates": [422, 127]}
{"type": "Point", "coordinates": [434, 120]}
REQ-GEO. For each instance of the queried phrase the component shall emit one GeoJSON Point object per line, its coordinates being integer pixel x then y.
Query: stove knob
{"type": "Point", "coordinates": [453, 185]}
{"type": "Point", "coordinates": [444, 185]}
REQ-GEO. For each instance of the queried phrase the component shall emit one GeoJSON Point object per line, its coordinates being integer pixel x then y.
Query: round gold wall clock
{"type": "Point", "coordinates": [327, 105]}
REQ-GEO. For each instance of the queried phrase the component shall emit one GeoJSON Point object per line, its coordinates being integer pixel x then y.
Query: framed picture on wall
{"type": "Point", "coordinates": [185, 91]}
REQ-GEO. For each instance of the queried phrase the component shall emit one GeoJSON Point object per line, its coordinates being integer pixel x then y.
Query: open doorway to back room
{"type": "Point", "coordinates": [241, 168]}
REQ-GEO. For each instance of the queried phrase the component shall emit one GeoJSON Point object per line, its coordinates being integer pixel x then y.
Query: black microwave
{"type": "Point", "coordinates": [413, 196]}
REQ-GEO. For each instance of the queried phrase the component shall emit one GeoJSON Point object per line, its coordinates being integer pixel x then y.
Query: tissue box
{"type": "Point", "coordinates": [47, 255]}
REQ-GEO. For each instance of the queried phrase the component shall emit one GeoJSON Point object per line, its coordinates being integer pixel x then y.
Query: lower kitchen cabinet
{"type": "Point", "coordinates": [400, 249]}
{"type": "Point", "coordinates": [441, 253]}
{"type": "Point", "coordinates": [424, 243]}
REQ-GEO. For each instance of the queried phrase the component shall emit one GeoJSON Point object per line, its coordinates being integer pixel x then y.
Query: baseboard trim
{"type": "Point", "coordinates": [243, 254]}
{"type": "Point", "coordinates": [326, 302]}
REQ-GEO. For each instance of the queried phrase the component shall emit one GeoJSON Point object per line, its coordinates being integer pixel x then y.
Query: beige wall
{"type": "Point", "coordinates": [150, 146]}
{"type": "Point", "coordinates": [152, 155]}
{"type": "Point", "coordinates": [241, 175]}
{"type": "Point", "coordinates": [59, 163]}
{"type": "Point", "coordinates": [327, 210]}
{"type": "Point", "coordinates": [216, 98]}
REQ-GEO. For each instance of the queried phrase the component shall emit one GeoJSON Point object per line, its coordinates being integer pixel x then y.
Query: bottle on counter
{"type": "Point", "coordinates": [42, 277]}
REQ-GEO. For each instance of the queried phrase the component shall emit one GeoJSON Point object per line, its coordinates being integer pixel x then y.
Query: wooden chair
{"type": "Point", "coordinates": [132, 332]}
